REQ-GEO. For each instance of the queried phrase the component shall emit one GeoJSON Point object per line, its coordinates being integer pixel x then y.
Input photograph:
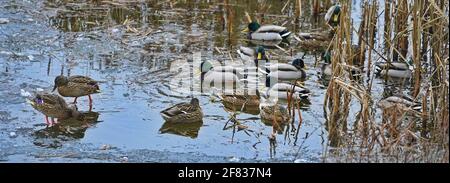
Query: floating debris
{"type": "Point", "coordinates": [12, 134]}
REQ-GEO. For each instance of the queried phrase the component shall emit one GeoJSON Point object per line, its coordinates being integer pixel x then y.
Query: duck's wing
{"type": "Point", "coordinates": [181, 108]}
{"type": "Point", "coordinates": [246, 51]}
{"type": "Point", "coordinates": [281, 67]}
{"type": "Point", "coordinates": [266, 36]}
{"type": "Point", "coordinates": [83, 79]}
{"type": "Point", "coordinates": [271, 28]}
{"type": "Point", "coordinates": [54, 100]}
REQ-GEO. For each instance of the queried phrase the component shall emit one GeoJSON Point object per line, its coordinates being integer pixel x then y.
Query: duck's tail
{"type": "Point", "coordinates": [285, 34]}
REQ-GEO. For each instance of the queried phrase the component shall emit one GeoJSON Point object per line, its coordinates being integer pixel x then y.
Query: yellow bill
{"type": "Point", "coordinates": [259, 56]}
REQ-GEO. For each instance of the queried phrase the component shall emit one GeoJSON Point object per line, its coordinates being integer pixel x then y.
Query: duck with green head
{"type": "Point", "coordinates": [332, 17]}
{"type": "Point", "coordinates": [76, 86]}
{"type": "Point", "coordinates": [399, 70]}
{"type": "Point", "coordinates": [249, 55]}
{"type": "Point", "coordinates": [184, 112]}
{"type": "Point", "coordinates": [284, 90]}
{"type": "Point", "coordinates": [54, 106]}
{"type": "Point", "coordinates": [287, 71]}
{"type": "Point", "coordinates": [267, 32]}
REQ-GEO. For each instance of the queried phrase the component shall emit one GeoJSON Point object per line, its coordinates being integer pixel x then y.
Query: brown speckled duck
{"type": "Point", "coordinates": [54, 106]}
{"type": "Point", "coordinates": [184, 112]}
{"type": "Point", "coordinates": [76, 86]}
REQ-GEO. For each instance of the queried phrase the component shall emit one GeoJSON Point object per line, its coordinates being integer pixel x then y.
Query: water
{"type": "Point", "coordinates": [136, 66]}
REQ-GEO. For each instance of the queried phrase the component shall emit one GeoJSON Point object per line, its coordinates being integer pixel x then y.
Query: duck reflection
{"type": "Point", "coordinates": [182, 129]}
{"type": "Point", "coordinates": [69, 128]}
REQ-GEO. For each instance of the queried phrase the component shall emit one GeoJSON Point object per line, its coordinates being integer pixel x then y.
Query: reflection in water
{"type": "Point", "coordinates": [182, 129]}
{"type": "Point", "coordinates": [64, 130]}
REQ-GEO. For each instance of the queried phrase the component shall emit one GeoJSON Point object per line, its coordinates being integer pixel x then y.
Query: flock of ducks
{"type": "Point", "coordinates": [55, 107]}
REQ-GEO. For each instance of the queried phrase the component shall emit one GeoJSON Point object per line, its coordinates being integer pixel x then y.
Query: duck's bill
{"type": "Point", "coordinates": [259, 56]}
{"type": "Point", "coordinates": [98, 91]}
{"type": "Point", "coordinates": [31, 102]}
{"type": "Point", "coordinates": [245, 30]}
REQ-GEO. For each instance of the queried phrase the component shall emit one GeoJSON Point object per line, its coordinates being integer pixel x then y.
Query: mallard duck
{"type": "Point", "coordinates": [183, 112]}
{"type": "Point", "coordinates": [241, 100]}
{"type": "Point", "coordinates": [280, 91]}
{"type": "Point", "coordinates": [333, 14]}
{"type": "Point", "coordinates": [285, 71]}
{"type": "Point", "coordinates": [270, 112]}
{"type": "Point", "coordinates": [252, 55]}
{"type": "Point", "coordinates": [401, 102]}
{"type": "Point", "coordinates": [76, 86]}
{"type": "Point", "coordinates": [394, 69]}
{"type": "Point", "coordinates": [220, 74]}
{"type": "Point", "coordinates": [267, 32]}
{"type": "Point", "coordinates": [53, 106]}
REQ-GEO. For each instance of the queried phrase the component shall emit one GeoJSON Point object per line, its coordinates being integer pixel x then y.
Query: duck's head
{"type": "Point", "coordinates": [298, 63]}
{"type": "Point", "coordinates": [60, 81]}
{"type": "Point", "coordinates": [38, 100]}
{"type": "Point", "coordinates": [253, 26]}
{"type": "Point", "coordinates": [334, 21]}
{"type": "Point", "coordinates": [205, 66]}
{"type": "Point", "coordinates": [260, 53]}
{"type": "Point", "coordinates": [195, 102]}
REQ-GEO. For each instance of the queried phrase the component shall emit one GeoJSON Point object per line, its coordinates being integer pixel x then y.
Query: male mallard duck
{"type": "Point", "coordinates": [220, 74]}
{"type": "Point", "coordinates": [241, 100]}
{"type": "Point", "coordinates": [394, 69]}
{"type": "Point", "coordinates": [252, 55]}
{"type": "Point", "coordinates": [53, 106]}
{"type": "Point", "coordinates": [401, 102]}
{"type": "Point", "coordinates": [270, 112]}
{"type": "Point", "coordinates": [184, 112]}
{"type": "Point", "coordinates": [76, 86]}
{"type": "Point", "coordinates": [333, 15]}
{"type": "Point", "coordinates": [280, 91]}
{"type": "Point", "coordinates": [267, 32]}
{"type": "Point", "coordinates": [285, 71]}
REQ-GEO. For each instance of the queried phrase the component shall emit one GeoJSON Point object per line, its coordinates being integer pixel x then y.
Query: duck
{"type": "Point", "coordinates": [315, 41]}
{"type": "Point", "coordinates": [267, 32]}
{"type": "Point", "coordinates": [394, 70]}
{"type": "Point", "coordinates": [280, 91]}
{"type": "Point", "coordinates": [54, 106]}
{"type": "Point", "coordinates": [219, 74]}
{"type": "Point", "coordinates": [76, 86]}
{"type": "Point", "coordinates": [252, 55]}
{"type": "Point", "coordinates": [183, 112]}
{"type": "Point", "coordinates": [332, 17]}
{"type": "Point", "coordinates": [401, 102]}
{"type": "Point", "coordinates": [270, 113]}
{"type": "Point", "coordinates": [287, 71]}
{"type": "Point", "coordinates": [241, 100]}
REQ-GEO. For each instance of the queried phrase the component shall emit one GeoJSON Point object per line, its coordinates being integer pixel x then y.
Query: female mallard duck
{"type": "Point", "coordinates": [281, 91]}
{"type": "Point", "coordinates": [53, 106]}
{"type": "Point", "coordinates": [285, 71]}
{"type": "Point", "coordinates": [184, 112]}
{"type": "Point", "coordinates": [333, 15]}
{"type": "Point", "coordinates": [241, 100]}
{"type": "Point", "coordinates": [276, 112]}
{"type": "Point", "coordinates": [395, 70]}
{"type": "Point", "coordinates": [250, 55]}
{"type": "Point", "coordinates": [267, 32]}
{"type": "Point", "coordinates": [76, 86]}
{"type": "Point", "coordinates": [400, 102]}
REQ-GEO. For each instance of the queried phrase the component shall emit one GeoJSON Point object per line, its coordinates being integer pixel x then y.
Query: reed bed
{"type": "Point", "coordinates": [415, 32]}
